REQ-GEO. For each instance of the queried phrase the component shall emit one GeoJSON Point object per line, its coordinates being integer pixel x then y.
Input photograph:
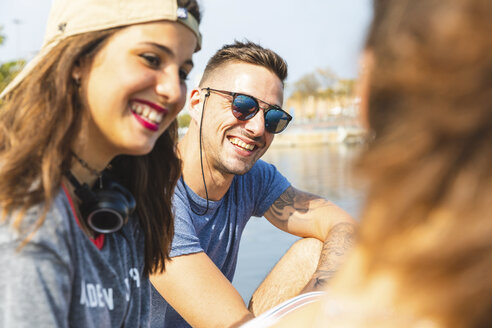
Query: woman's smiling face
{"type": "Point", "coordinates": [134, 87]}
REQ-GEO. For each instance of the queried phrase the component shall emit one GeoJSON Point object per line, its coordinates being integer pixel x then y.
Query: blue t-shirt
{"type": "Point", "coordinates": [217, 232]}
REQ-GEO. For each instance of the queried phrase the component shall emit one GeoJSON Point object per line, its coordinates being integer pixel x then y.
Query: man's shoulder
{"type": "Point", "coordinates": [262, 173]}
{"type": "Point", "coordinates": [264, 179]}
{"type": "Point", "coordinates": [179, 190]}
{"type": "Point", "coordinates": [183, 193]}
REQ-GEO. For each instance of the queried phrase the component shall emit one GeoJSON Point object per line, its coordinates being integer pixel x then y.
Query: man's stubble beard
{"type": "Point", "coordinates": [219, 163]}
{"type": "Point", "coordinates": [221, 166]}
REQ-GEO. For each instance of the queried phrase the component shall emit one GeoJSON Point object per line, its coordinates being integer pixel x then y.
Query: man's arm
{"type": "Point", "coordinates": [340, 240]}
{"type": "Point", "coordinates": [194, 286]}
{"type": "Point", "coordinates": [307, 215]}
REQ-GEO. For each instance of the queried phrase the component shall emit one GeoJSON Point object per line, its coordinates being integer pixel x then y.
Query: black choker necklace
{"type": "Point", "coordinates": [86, 166]}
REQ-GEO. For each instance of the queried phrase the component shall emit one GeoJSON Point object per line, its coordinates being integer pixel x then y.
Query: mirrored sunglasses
{"type": "Point", "coordinates": [245, 107]}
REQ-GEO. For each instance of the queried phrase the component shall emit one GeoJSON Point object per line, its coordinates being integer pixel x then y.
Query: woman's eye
{"type": "Point", "coordinates": [152, 60]}
{"type": "Point", "coordinates": [183, 75]}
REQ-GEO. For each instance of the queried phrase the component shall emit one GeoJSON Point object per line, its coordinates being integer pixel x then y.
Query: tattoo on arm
{"type": "Point", "coordinates": [284, 201]}
{"type": "Point", "coordinates": [341, 239]}
{"type": "Point", "coordinates": [293, 200]}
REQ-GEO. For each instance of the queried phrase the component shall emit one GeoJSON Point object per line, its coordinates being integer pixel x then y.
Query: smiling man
{"type": "Point", "coordinates": [236, 111]}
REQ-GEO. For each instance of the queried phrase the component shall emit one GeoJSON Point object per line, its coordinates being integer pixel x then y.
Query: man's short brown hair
{"type": "Point", "coordinates": [246, 52]}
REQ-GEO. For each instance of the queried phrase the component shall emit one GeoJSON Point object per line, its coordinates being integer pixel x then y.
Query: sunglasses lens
{"type": "Point", "coordinates": [276, 120]}
{"type": "Point", "coordinates": [244, 107]}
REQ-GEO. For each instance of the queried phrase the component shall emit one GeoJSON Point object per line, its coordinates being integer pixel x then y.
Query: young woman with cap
{"type": "Point", "coordinates": [87, 162]}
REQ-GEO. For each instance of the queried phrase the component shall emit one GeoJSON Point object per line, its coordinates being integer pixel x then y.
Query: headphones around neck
{"type": "Point", "coordinates": [105, 209]}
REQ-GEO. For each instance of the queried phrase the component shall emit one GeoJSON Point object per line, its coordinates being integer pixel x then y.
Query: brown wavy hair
{"type": "Point", "coordinates": [39, 122]}
{"type": "Point", "coordinates": [427, 215]}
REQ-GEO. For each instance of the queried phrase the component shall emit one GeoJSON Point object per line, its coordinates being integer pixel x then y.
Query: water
{"type": "Point", "coordinates": [322, 170]}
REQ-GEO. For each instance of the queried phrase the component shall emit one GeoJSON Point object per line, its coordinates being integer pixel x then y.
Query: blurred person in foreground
{"type": "Point", "coordinates": [87, 132]}
{"type": "Point", "coordinates": [424, 251]}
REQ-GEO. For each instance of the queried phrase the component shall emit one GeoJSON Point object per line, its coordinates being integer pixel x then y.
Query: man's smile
{"type": "Point", "coordinates": [241, 144]}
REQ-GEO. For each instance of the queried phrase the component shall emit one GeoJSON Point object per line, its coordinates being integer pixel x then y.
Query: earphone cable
{"type": "Point", "coordinates": [201, 156]}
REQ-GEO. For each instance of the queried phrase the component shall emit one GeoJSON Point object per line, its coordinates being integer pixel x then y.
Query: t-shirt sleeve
{"type": "Point", "coordinates": [270, 184]}
{"type": "Point", "coordinates": [185, 240]}
{"type": "Point", "coordinates": [35, 283]}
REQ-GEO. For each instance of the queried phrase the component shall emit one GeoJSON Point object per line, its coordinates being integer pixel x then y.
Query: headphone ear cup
{"type": "Point", "coordinates": [127, 196]}
{"type": "Point", "coordinates": [104, 210]}
{"type": "Point", "coordinates": [109, 208]}
{"type": "Point", "coordinates": [106, 213]}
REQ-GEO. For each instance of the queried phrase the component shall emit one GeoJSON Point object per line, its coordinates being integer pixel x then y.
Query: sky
{"type": "Point", "coordinates": [318, 34]}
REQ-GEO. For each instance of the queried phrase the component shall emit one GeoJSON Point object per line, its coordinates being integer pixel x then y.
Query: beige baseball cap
{"type": "Point", "coordinates": [72, 17]}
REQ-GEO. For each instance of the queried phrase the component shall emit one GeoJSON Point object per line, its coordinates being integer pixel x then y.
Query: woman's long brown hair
{"type": "Point", "coordinates": [39, 122]}
{"type": "Point", "coordinates": [427, 216]}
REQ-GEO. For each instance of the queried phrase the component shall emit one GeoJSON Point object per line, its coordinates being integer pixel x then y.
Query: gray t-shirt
{"type": "Point", "coordinates": [61, 279]}
{"type": "Point", "coordinates": [218, 232]}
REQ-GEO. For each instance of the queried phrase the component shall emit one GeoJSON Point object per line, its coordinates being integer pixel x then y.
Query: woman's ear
{"type": "Point", "coordinates": [366, 66]}
{"type": "Point", "coordinates": [77, 73]}
{"type": "Point", "coordinates": [196, 106]}
{"type": "Point", "coordinates": [80, 69]}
